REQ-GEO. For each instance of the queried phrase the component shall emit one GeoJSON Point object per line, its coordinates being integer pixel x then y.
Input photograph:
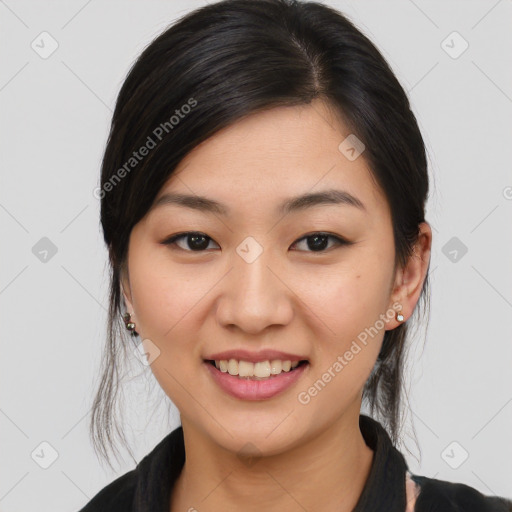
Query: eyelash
{"type": "Point", "coordinates": [171, 241]}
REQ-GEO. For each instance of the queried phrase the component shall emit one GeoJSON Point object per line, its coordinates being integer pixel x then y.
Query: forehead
{"type": "Point", "coordinates": [270, 156]}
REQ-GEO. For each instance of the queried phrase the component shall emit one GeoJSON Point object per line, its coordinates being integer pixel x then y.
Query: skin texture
{"type": "Point", "coordinates": [291, 298]}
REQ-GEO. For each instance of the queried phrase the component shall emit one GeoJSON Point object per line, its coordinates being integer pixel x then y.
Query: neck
{"type": "Point", "coordinates": [326, 472]}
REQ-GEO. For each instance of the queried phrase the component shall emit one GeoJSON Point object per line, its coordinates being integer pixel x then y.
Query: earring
{"type": "Point", "coordinates": [127, 317]}
{"type": "Point", "coordinates": [400, 316]}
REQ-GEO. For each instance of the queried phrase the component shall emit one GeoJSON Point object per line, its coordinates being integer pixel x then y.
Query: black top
{"type": "Point", "coordinates": [147, 488]}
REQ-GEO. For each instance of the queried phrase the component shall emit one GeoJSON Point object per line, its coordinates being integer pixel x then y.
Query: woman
{"type": "Point", "coordinates": [263, 193]}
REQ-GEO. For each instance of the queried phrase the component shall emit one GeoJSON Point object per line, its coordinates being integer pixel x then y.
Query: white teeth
{"type": "Point", "coordinates": [261, 369]}
{"type": "Point", "coordinates": [233, 367]}
{"type": "Point", "coordinates": [246, 369]}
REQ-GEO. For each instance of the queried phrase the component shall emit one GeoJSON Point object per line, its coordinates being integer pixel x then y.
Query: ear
{"type": "Point", "coordinates": [126, 291]}
{"type": "Point", "coordinates": [409, 279]}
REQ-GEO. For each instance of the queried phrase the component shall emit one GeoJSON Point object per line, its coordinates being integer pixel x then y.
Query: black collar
{"type": "Point", "coordinates": [385, 488]}
{"type": "Point", "coordinates": [383, 491]}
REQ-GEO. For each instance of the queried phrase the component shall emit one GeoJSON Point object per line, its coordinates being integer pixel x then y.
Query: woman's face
{"type": "Point", "coordinates": [253, 281]}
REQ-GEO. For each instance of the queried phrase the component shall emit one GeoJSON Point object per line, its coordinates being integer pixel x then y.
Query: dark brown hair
{"type": "Point", "coordinates": [228, 60]}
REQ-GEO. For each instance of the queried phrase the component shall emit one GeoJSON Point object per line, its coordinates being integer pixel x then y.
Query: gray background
{"type": "Point", "coordinates": [54, 122]}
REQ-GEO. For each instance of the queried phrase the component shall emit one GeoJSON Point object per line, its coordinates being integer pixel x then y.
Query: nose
{"type": "Point", "coordinates": [254, 296]}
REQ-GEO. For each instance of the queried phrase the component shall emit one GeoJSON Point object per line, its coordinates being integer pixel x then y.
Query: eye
{"type": "Point", "coordinates": [318, 242]}
{"type": "Point", "coordinates": [195, 241]}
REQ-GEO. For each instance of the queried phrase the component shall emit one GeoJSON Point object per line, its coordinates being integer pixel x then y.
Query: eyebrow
{"type": "Point", "coordinates": [294, 204]}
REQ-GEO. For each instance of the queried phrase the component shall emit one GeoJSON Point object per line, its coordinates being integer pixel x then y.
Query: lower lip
{"type": "Point", "coordinates": [247, 389]}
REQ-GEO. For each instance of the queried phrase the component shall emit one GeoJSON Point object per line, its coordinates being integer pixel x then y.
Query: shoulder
{"type": "Point", "coordinates": [116, 496]}
{"type": "Point", "coordinates": [148, 483]}
{"type": "Point", "coordinates": [440, 495]}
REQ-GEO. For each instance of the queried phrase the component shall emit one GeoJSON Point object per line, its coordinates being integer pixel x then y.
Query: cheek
{"type": "Point", "coordinates": [349, 305]}
{"type": "Point", "coordinates": [171, 304]}
{"type": "Point", "coordinates": [168, 304]}
{"type": "Point", "coordinates": [348, 336]}
{"type": "Point", "coordinates": [346, 301]}
{"type": "Point", "coordinates": [160, 294]}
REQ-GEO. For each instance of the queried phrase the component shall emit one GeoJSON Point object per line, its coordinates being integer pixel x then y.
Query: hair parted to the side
{"type": "Point", "coordinates": [231, 59]}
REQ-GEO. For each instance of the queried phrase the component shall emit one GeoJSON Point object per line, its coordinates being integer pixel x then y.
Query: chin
{"type": "Point", "coordinates": [251, 440]}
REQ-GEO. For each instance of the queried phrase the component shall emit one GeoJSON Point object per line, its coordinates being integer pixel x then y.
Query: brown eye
{"type": "Point", "coordinates": [193, 241]}
{"type": "Point", "coordinates": [318, 242]}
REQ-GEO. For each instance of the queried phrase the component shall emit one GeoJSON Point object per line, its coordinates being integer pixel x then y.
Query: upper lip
{"type": "Point", "coordinates": [254, 357]}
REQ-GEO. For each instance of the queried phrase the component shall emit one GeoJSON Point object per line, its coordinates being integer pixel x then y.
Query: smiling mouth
{"type": "Point", "coordinates": [300, 364]}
